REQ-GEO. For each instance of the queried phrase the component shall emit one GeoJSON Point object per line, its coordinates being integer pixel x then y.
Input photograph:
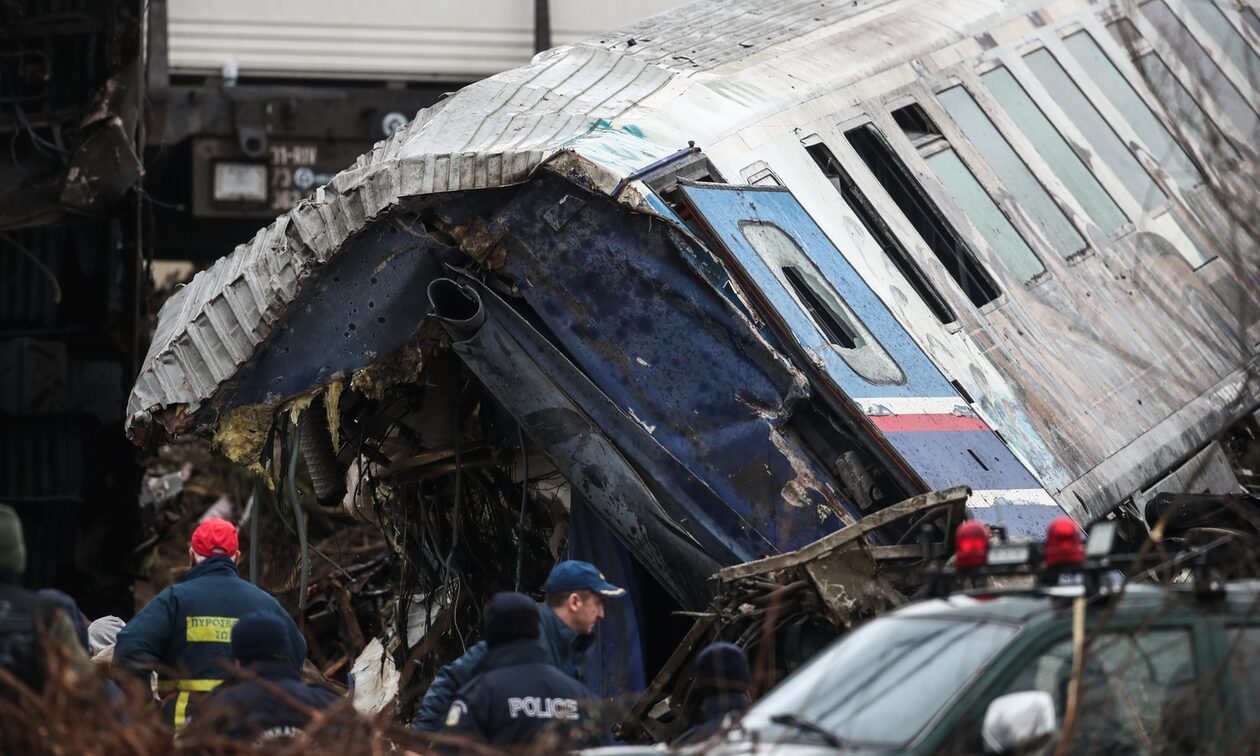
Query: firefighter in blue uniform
{"type": "Point", "coordinates": [185, 632]}
{"type": "Point", "coordinates": [518, 695]}
{"type": "Point", "coordinates": [265, 699]}
{"type": "Point", "coordinates": [575, 604]}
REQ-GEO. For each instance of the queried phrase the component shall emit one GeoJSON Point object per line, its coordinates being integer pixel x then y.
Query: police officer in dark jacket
{"type": "Point", "coordinates": [265, 698]}
{"type": "Point", "coordinates": [185, 632]}
{"type": "Point", "coordinates": [29, 620]}
{"type": "Point", "coordinates": [575, 604]}
{"type": "Point", "coordinates": [719, 686]}
{"type": "Point", "coordinates": [518, 695]}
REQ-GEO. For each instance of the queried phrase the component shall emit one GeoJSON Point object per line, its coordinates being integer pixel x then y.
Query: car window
{"type": "Point", "coordinates": [1136, 694]}
{"type": "Point", "coordinates": [1244, 660]}
{"type": "Point", "coordinates": [882, 683]}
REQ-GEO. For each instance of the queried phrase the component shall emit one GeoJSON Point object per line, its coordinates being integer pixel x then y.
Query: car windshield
{"type": "Point", "coordinates": [879, 685]}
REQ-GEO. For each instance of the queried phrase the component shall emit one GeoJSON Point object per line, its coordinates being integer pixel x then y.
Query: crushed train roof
{"type": "Point", "coordinates": [712, 64]}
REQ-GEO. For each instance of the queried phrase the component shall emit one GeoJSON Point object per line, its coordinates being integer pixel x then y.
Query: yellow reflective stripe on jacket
{"type": "Point", "coordinates": [181, 709]}
{"type": "Point", "coordinates": [189, 685]}
{"type": "Point", "coordinates": [208, 629]}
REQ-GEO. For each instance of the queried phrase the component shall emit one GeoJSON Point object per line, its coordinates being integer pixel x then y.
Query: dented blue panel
{"type": "Point", "coordinates": [358, 308]}
{"type": "Point", "coordinates": [613, 288]}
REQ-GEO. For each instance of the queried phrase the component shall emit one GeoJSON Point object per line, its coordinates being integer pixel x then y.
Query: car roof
{"type": "Point", "coordinates": [1026, 605]}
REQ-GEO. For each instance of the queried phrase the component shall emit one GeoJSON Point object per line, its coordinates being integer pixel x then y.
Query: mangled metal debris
{"type": "Point", "coordinates": [818, 590]}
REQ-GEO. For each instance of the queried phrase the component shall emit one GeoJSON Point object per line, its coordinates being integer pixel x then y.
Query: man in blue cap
{"type": "Point", "coordinates": [575, 604]}
{"type": "Point", "coordinates": [517, 696]}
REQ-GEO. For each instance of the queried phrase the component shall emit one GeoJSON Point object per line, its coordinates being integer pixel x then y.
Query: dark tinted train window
{"type": "Point", "coordinates": [830, 324]}
{"type": "Point", "coordinates": [879, 230]}
{"type": "Point", "coordinates": [967, 192]}
{"type": "Point", "coordinates": [923, 214]}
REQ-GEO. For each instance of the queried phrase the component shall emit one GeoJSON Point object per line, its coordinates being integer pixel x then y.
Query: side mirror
{"type": "Point", "coordinates": [1018, 722]}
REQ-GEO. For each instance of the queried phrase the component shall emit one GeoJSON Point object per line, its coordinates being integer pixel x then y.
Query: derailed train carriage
{"type": "Point", "coordinates": [742, 276]}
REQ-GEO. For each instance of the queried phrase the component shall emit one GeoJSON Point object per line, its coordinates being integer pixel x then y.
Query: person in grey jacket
{"type": "Point", "coordinates": [575, 604]}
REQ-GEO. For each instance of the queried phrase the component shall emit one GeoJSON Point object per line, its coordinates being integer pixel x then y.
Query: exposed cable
{"type": "Point", "coordinates": [265, 456]}
{"type": "Point", "coordinates": [459, 482]}
{"type": "Point", "coordinates": [520, 525]}
{"type": "Point", "coordinates": [52, 277]}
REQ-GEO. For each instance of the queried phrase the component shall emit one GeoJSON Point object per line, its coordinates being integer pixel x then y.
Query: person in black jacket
{"type": "Point", "coordinates": [265, 699]}
{"type": "Point", "coordinates": [33, 628]}
{"type": "Point", "coordinates": [575, 605]}
{"type": "Point", "coordinates": [517, 695]}
{"type": "Point", "coordinates": [721, 677]}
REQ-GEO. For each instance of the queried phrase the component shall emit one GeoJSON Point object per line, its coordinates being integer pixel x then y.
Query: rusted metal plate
{"type": "Point", "coordinates": [849, 583]}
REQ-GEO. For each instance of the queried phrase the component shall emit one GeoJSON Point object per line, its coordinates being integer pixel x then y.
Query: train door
{"type": "Point", "coordinates": [815, 300]}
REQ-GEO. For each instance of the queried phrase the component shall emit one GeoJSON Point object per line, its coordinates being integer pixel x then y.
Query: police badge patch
{"type": "Point", "coordinates": [458, 710]}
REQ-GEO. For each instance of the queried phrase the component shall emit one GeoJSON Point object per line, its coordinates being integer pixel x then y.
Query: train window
{"type": "Point", "coordinates": [1181, 107]}
{"type": "Point", "coordinates": [1232, 103]}
{"type": "Point", "coordinates": [1166, 151]}
{"type": "Point", "coordinates": [1094, 127]}
{"type": "Point", "coordinates": [1249, 16]}
{"type": "Point", "coordinates": [923, 214]}
{"type": "Point", "coordinates": [880, 232]}
{"type": "Point", "coordinates": [818, 298]}
{"type": "Point", "coordinates": [1012, 171]}
{"type": "Point", "coordinates": [831, 325]}
{"type": "Point", "coordinates": [1055, 150]}
{"type": "Point", "coordinates": [1228, 39]}
{"type": "Point", "coordinates": [966, 190]}
{"type": "Point", "coordinates": [985, 214]}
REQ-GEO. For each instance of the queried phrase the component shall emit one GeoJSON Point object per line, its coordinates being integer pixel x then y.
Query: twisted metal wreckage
{"type": "Point", "coordinates": [529, 323]}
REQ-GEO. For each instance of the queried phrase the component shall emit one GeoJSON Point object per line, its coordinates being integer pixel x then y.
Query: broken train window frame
{"type": "Point", "coordinates": [993, 226]}
{"type": "Point", "coordinates": [923, 214]}
{"type": "Point", "coordinates": [878, 229]}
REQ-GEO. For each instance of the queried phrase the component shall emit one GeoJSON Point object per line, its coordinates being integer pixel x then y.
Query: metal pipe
{"type": "Point", "coordinates": [298, 519]}
{"type": "Point", "coordinates": [542, 26]}
{"type": "Point", "coordinates": [457, 306]}
{"type": "Point", "coordinates": [254, 513]}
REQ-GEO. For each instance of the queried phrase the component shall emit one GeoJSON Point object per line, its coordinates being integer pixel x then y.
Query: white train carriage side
{"type": "Point", "coordinates": [1059, 204]}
